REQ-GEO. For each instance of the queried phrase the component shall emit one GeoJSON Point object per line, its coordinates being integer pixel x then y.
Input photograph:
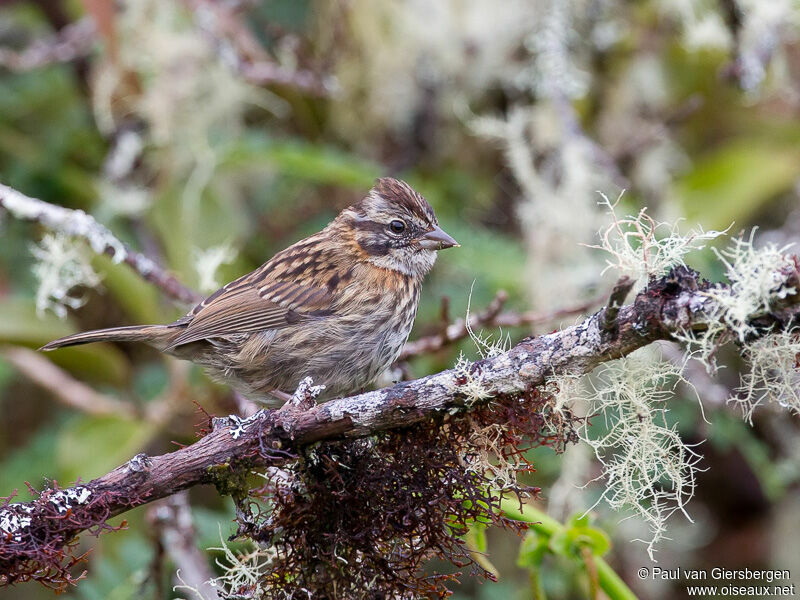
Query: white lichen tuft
{"type": "Point", "coordinates": [646, 467]}
{"type": "Point", "coordinates": [567, 392]}
{"type": "Point", "coordinates": [486, 457]}
{"type": "Point", "coordinates": [239, 425]}
{"type": "Point", "coordinates": [207, 262]}
{"type": "Point", "coordinates": [75, 223]}
{"type": "Point", "coordinates": [641, 247]}
{"type": "Point", "coordinates": [486, 346]}
{"type": "Point", "coordinates": [306, 392]}
{"type": "Point", "coordinates": [468, 383]}
{"type": "Point", "coordinates": [756, 282]}
{"type": "Point", "coordinates": [62, 266]}
{"type": "Point", "coordinates": [242, 571]}
{"type": "Point", "coordinates": [774, 374]}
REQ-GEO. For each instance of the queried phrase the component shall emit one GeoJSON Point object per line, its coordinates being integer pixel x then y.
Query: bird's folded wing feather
{"type": "Point", "coordinates": [243, 307]}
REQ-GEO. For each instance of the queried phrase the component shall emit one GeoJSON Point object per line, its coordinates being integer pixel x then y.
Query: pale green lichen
{"type": "Point", "coordinates": [207, 262]}
{"type": "Point", "coordinates": [646, 467]}
{"type": "Point", "coordinates": [471, 384]}
{"type": "Point", "coordinates": [756, 281]}
{"type": "Point", "coordinates": [62, 266]}
{"type": "Point", "coordinates": [641, 247]}
{"type": "Point", "coordinates": [242, 572]}
{"type": "Point", "coordinates": [774, 374]}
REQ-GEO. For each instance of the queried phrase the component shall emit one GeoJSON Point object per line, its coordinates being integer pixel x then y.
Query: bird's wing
{"type": "Point", "coordinates": [253, 303]}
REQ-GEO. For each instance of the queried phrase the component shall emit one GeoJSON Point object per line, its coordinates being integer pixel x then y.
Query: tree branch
{"type": "Point", "coordinates": [73, 42]}
{"type": "Point", "coordinates": [491, 316]}
{"type": "Point", "coordinates": [615, 302]}
{"type": "Point", "coordinates": [172, 519]}
{"type": "Point", "coordinates": [79, 224]}
{"type": "Point", "coordinates": [237, 47]}
{"type": "Point", "coordinates": [62, 385]}
{"type": "Point", "coordinates": [673, 304]}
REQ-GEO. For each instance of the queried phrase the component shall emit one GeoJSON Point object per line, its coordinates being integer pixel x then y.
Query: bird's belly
{"type": "Point", "coordinates": [345, 355]}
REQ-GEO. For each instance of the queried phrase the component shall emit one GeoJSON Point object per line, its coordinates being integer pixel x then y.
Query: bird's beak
{"type": "Point", "coordinates": [437, 239]}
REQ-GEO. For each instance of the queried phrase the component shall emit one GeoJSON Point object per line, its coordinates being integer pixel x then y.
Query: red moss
{"type": "Point", "coordinates": [360, 519]}
{"type": "Point", "coordinates": [45, 549]}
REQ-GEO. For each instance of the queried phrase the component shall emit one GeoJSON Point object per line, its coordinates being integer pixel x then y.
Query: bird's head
{"type": "Point", "coordinates": [396, 228]}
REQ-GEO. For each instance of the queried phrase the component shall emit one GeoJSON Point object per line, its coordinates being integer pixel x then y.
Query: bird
{"type": "Point", "coordinates": [337, 306]}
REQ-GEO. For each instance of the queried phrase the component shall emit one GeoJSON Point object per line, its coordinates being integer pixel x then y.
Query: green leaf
{"type": "Point", "coordinates": [532, 551]}
{"type": "Point", "coordinates": [578, 534]}
{"type": "Point", "coordinates": [735, 181]}
{"type": "Point", "coordinates": [475, 540]}
{"type": "Point", "coordinates": [312, 162]}
{"type": "Point", "coordinates": [578, 520]}
{"type": "Point", "coordinates": [561, 544]}
{"type": "Point", "coordinates": [596, 539]}
{"type": "Point", "coordinates": [476, 537]}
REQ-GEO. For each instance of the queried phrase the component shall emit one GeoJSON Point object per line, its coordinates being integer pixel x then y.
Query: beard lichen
{"type": "Point", "coordinates": [647, 469]}
{"type": "Point", "coordinates": [774, 374]}
{"type": "Point", "coordinates": [643, 248]}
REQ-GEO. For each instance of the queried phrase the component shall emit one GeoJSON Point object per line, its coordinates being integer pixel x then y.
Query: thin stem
{"type": "Point", "coordinates": [611, 583]}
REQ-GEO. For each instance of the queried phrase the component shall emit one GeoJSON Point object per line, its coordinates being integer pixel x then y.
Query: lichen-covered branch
{"type": "Point", "coordinates": [77, 223]}
{"type": "Point", "coordinates": [680, 302]}
{"type": "Point", "coordinates": [73, 42]}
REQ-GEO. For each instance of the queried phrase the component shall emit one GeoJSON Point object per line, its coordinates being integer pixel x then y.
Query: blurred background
{"type": "Point", "coordinates": [211, 134]}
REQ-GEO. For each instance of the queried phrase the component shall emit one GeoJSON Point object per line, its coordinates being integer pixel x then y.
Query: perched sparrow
{"type": "Point", "coordinates": [337, 306]}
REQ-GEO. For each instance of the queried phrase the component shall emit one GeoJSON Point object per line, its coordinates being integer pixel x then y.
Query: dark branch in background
{"type": "Point", "coordinates": [171, 518]}
{"type": "Point", "coordinates": [73, 42]}
{"type": "Point", "coordinates": [672, 304]}
{"type": "Point", "coordinates": [747, 69]}
{"type": "Point", "coordinates": [77, 223]}
{"type": "Point", "coordinates": [239, 49]}
{"type": "Point", "coordinates": [491, 316]}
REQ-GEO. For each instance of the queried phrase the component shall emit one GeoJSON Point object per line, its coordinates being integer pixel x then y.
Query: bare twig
{"type": "Point", "coordinates": [490, 317]}
{"type": "Point", "coordinates": [62, 385]}
{"type": "Point", "coordinates": [172, 518]}
{"type": "Point", "coordinates": [667, 306]}
{"type": "Point", "coordinates": [79, 224]}
{"type": "Point", "coordinates": [615, 302]}
{"type": "Point", "coordinates": [71, 43]}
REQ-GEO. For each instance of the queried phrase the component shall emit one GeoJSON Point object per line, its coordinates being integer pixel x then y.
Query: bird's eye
{"type": "Point", "coordinates": [397, 226]}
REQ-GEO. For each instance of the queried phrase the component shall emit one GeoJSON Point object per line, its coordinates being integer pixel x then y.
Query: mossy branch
{"type": "Point", "coordinates": [35, 532]}
{"type": "Point", "coordinates": [76, 223]}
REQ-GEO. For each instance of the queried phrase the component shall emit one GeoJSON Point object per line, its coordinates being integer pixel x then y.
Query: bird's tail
{"type": "Point", "coordinates": [158, 336]}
